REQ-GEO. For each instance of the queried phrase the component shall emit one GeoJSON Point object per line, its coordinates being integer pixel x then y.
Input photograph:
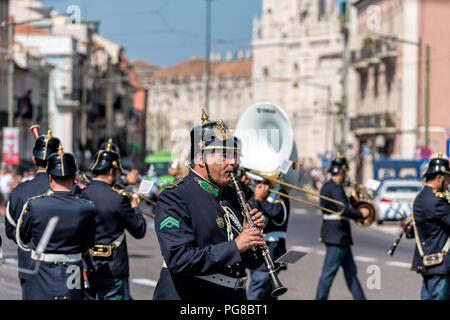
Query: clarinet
{"type": "Point", "coordinates": [277, 288]}
{"type": "Point", "coordinates": [390, 252]}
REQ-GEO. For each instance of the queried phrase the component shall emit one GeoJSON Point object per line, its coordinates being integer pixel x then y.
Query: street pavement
{"type": "Point", "coordinates": [382, 277]}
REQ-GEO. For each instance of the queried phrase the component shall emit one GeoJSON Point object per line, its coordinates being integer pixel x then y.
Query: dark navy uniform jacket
{"type": "Point", "coordinates": [192, 235]}
{"type": "Point", "coordinates": [37, 186]}
{"type": "Point", "coordinates": [337, 232]}
{"type": "Point", "coordinates": [114, 216]}
{"type": "Point", "coordinates": [74, 233]}
{"type": "Point", "coordinates": [432, 218]}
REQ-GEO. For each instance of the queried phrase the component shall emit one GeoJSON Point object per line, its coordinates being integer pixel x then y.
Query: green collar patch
{"type": "Point", "coordinates": [207, 186]}
{"type": "Point", "coordinates": [169, 222]}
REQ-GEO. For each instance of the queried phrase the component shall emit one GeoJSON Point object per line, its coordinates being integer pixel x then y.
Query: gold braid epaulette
{"type": "Point", "coordinates": [443, 195]}
{"type": "Point", "coordinates": [174, 184]}
{"type": "Point", "coordinates": [39, 196]}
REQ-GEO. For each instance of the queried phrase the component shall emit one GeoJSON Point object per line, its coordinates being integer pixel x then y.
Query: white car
{"type": "Point", "coordinates": [394, 199]}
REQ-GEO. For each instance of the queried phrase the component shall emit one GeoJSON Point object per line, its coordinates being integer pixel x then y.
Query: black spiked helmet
{"type": "Point", "coordinates": [338, 163]}
{"type": "Point", "coordinates": [211, 135]}
{"type": "Point", "coordinates": [45, 145]}
{"type": "Point", "coordinates": [437, 165]}
{"type": "Point", "coordinates": [61, 164]}
{"type": "Point", "coordinates": [106, 158]}
{"type": "Point", "coordinates": [113, 146]}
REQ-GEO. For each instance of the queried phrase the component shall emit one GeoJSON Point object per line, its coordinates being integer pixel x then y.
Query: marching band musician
{"type": "Point", "coordinates": [108, 263]}
{"type": "Point", "coordinates": [60, 270]}
{"type": "Point", "coordinates": [431, 222]}
{"type": "Point", "coordinates": [44, 146]}
{"type": "Point", "coordinates": [204, 239]}
{"type": "Point", "coordinates": [336, 233]}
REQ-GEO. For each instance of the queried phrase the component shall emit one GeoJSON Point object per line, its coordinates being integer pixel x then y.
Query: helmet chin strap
{"type": "Point", "coordinates": [207, 171]}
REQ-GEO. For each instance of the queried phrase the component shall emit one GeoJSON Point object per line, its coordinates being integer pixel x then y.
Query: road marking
{"type": "Point", "coordinates": [145, 282]}
{"type": "Point", "coordinates": [365, 259]}
{"type": "Point", "coordinates": [11, 261]}
{"type": "Point", "coordinates": [357, 258]}
{"type": "Point", "coordinates": [398, 264]}
{"type": "Point", "coordinates": [300, 211]}
{"type": "Point", "coordinates": [320, 252]}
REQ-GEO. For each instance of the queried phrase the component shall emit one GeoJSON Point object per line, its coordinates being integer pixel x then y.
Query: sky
{"type": "Point", "coordinates": [164, 32]}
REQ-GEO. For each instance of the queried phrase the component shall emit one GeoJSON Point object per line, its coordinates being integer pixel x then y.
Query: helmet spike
{"type": "Point", "coordinates": [205, 119]}
{"type": "Point", "coordinates": [60, 150]}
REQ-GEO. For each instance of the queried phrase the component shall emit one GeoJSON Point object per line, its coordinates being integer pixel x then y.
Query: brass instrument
{"type": "Point", "coordinates": [276, 144]}
{"type": "Point", "coordinates": [35, 130]}
{"type": "Point", "coordinates": [85, 180]}
{"type": "Point", "coordinates": [82, 178]}
{"type": "Point", "coordinates": [139, 197]}
{"type": "Point", "coordinates": [361, 198]}
{"type": "Point", "coordinates": [274, 181]}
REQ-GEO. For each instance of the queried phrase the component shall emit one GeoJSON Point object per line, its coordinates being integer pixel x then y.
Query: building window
{"type": "Point", "coordinates": [322, 10]}
{"type": "Point", "coordinates": [266, 71]}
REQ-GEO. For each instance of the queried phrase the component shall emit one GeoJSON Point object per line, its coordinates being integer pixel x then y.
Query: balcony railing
{"type": "Point", "coordinates": [376, 121]}
{"type": "Point", "coordinates": [372, 50]}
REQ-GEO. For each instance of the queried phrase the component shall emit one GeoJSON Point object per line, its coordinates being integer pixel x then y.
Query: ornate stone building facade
{"type": "Point", "coordinates": [295, 62]}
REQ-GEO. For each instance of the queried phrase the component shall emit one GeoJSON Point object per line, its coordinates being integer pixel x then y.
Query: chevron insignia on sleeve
{"type": "Point", "coordinates": [169, 222]}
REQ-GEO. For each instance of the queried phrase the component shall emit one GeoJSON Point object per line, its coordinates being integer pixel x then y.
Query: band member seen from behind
{"type": "Point", "coordinates": [431, 222]}
{"type": "Point", "coordinates": [205, 241]}
{"type": "Point", "coordinates": [59, 273]}
{"type": "Point", "coordinates": [276, 213]}
{"type": "Point", "coordinates": [108, 262]}
{"type": "Point", "coordinates": [336, 233]}
{"type": "Point", "coordinates": [44, 146]}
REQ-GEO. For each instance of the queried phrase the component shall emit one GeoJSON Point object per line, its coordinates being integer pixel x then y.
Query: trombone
{"type": "Point", "coordinates": [258, 176]}
{"type": "Point", "coordinates": [139, 197]}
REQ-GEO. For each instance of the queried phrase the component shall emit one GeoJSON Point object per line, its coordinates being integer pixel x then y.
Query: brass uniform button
{"type": "Point", "coordinates": [423, 243]}
{"type": "Point", "coordinates": [55, 262]}
{"type": "Point", "coordinates": [65, 298]}
{"type": "Point", "coordinates": [56, 298]}
{"type": "Point", "coordinates": [64, 263]}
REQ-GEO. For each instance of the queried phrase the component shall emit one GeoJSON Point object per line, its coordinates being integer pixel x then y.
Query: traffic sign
{"type": "Point", "coordinates": [425, 152]}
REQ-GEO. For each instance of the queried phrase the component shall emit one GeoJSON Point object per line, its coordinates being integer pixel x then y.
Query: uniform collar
{"type": "Point", "coordinates": [206, 185]}
{"type": "Point", "coordinates": [62, 192]}
{"type": "Point", "coordinates": [99, 181]}
{"type": "Point", "coordinates": [336, 182]}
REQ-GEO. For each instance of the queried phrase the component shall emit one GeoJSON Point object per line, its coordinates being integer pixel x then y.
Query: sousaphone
{"type": "Point", "coordinates": [269, 152]}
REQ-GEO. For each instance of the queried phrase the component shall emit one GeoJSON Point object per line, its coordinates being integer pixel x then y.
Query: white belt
{"type": "Point", "coordinates": [119, 240]}
{"type": "Point", "coordinates": [274, 236]}
{"type": "Point", "coordinates": [222, 280]}
{"type": "Point", "coordinates": [56, 257]}
{"type": "Point", "coordinates": [333, 216]}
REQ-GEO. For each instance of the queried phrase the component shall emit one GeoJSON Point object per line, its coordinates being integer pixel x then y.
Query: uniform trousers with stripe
{"type": "Point", "coordinates": [435, 287]}
{"type": "Point", "coordinates": [335, 257]}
